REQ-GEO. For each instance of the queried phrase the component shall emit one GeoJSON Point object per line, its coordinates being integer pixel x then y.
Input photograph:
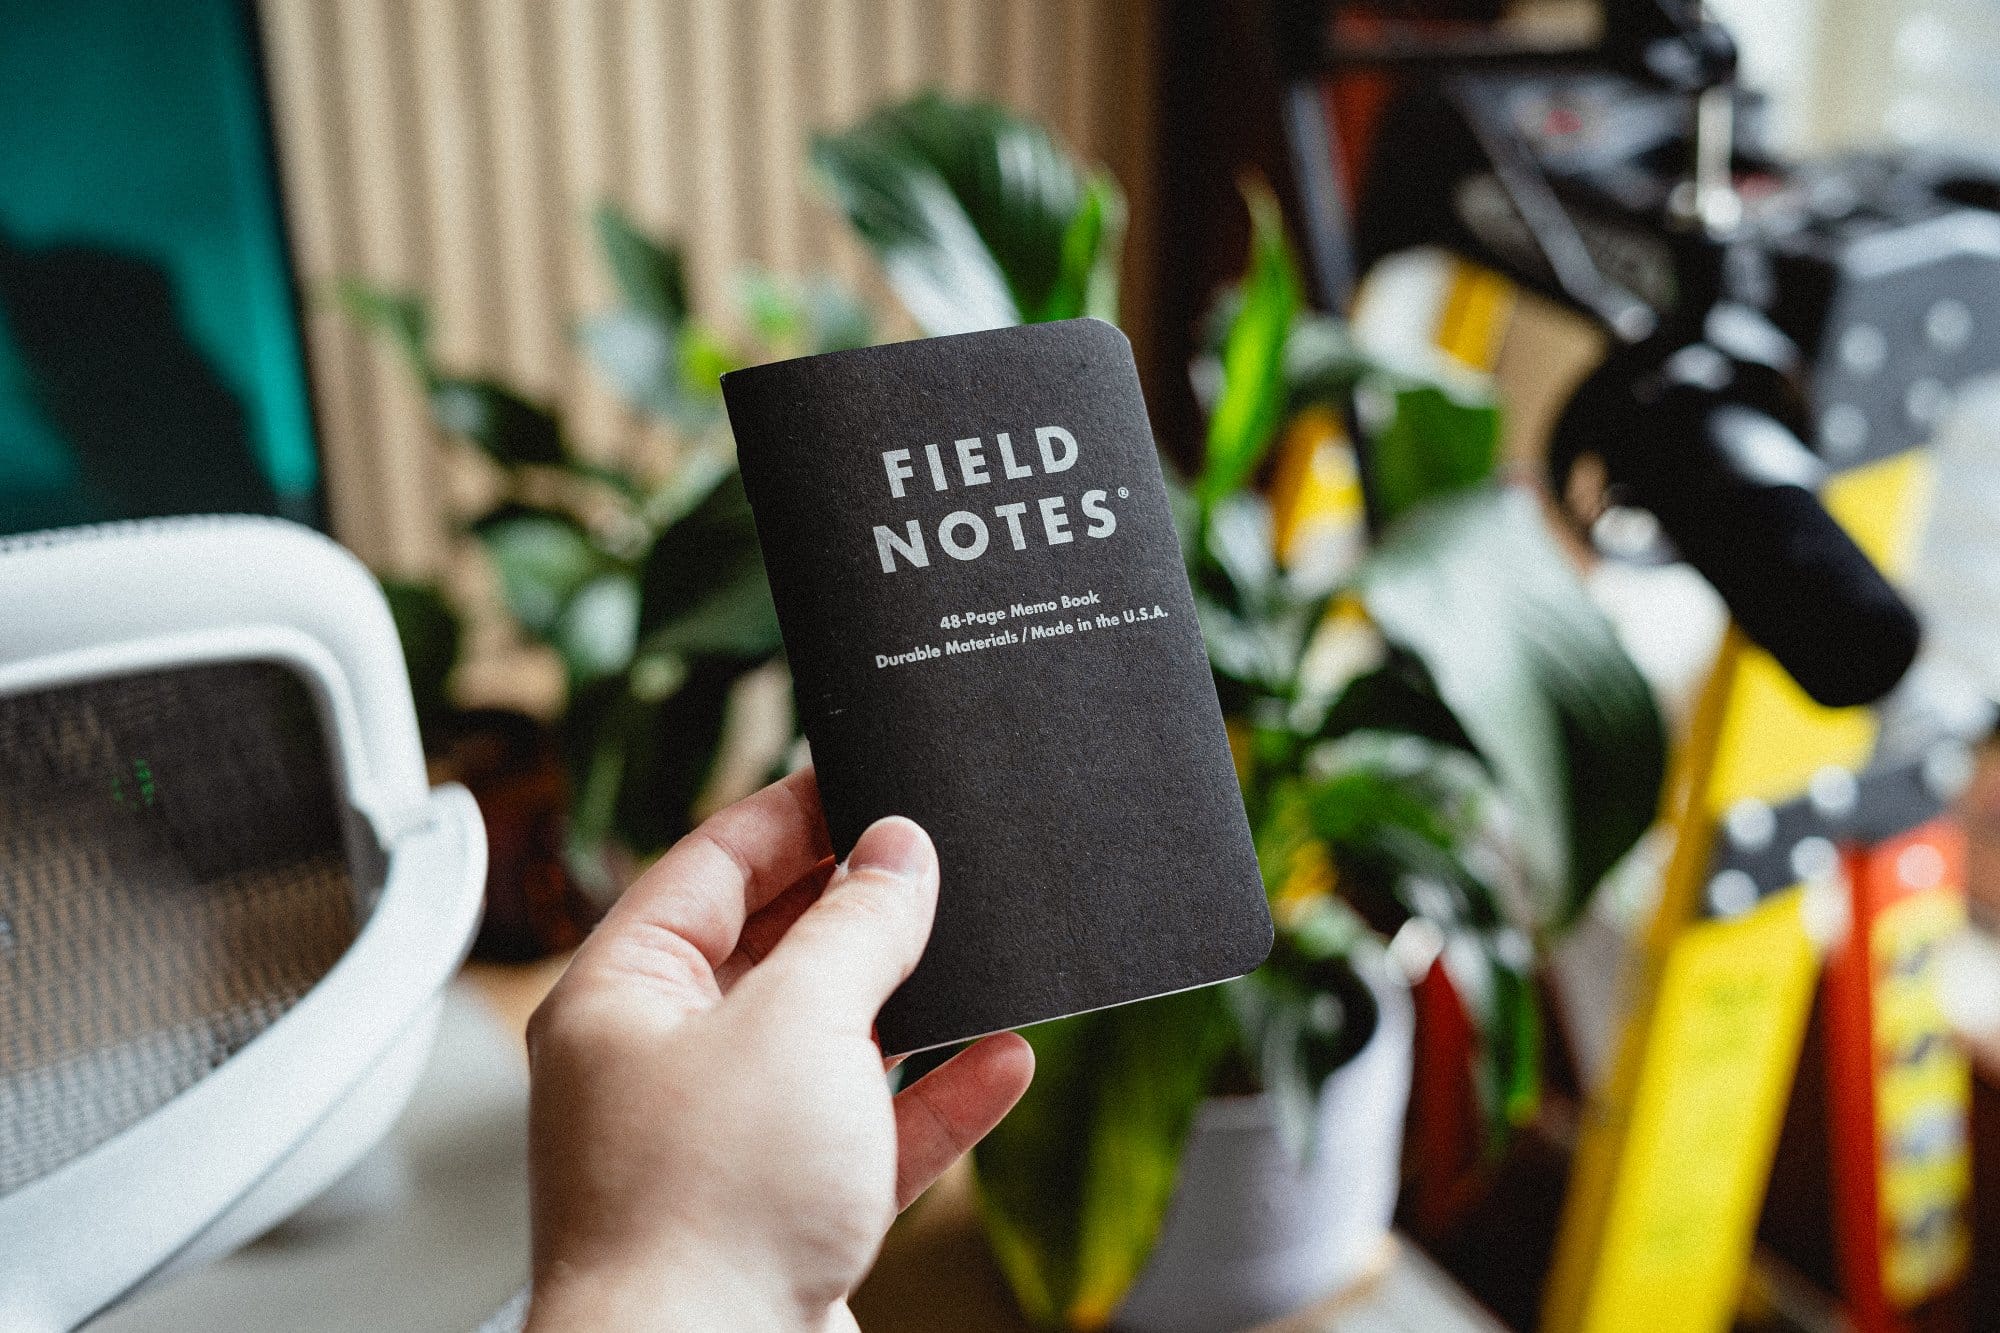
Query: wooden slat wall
{"type": "Point", "coordinates": [457, 146]}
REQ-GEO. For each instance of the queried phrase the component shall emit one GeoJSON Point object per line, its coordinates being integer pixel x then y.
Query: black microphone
{"type": "Point", "coordinates": [1736, 491]}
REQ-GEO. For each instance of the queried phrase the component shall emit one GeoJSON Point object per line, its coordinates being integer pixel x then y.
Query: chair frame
{"type": "Point", "coordinates": [289, 1113]}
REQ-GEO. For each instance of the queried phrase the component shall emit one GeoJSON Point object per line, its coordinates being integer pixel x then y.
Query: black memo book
{"type": "Point", "coordinates": [990, 631]}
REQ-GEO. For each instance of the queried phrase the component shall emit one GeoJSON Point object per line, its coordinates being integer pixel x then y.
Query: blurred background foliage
{"type": "Point", "coordinates": [1432, 723]}
{"type": "Point", "coordinates": [650, 591]}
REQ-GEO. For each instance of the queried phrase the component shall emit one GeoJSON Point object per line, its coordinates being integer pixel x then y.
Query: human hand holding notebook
{"type": "Point", "coordinates": [990, 631]}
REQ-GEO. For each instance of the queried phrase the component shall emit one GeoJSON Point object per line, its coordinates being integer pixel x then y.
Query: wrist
{"type": "Point", "coordinates": [682, 1297]}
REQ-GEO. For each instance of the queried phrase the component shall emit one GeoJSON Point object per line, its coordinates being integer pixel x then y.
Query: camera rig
{"type": "Point", "coordinates": [1771, 323]}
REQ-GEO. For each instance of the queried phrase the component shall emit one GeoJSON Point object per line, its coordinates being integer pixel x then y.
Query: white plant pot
{"type": "Point", "coordinates": [1252, 1233]}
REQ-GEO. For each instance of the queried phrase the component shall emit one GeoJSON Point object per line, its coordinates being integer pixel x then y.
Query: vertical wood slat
{"type": "Point", "coordinates": [841, 101]}
{"type": "Point", "coordinates": [388, 243]}
{"type": "Point", "coordinates": [314, 159]}
{"type": "Point", "coordinates": [965, 63]}
{"type": "Point", "coordinates": [903, 27]}
{"type": "Point", "coordinates": [450, 156]}
{"type": "Point", "coordinates": [528, 189]}
{"type": "Point", "coordinates": [456, 147]}
{"type": "Point", "coordinates": [589, 86]}
{"type": "Point", "coordinates": [716, 183]}
{"type": "Point", "coordinates": [779, 133]}
{"type": "Point", "coordinates": [1022, 56]}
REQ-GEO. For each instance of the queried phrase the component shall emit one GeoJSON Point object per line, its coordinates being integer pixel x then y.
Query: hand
{"type": "Point", "coordinates": [712, 1143]}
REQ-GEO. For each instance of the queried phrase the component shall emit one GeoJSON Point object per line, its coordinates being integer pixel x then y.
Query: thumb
{"type": "Point", "coordinates": [849, 950]}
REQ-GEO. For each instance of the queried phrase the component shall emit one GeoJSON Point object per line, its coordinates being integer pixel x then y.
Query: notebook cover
{"type": "Point", "coordinates": [990, 630]}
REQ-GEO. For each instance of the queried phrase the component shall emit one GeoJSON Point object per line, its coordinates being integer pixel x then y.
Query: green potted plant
{"type": "Point", "coordinates": [645, 583]}
{"type": "Point", "coordinates": [1443, 730]}
{"type": "Point", "coordinates": [1433, 725]}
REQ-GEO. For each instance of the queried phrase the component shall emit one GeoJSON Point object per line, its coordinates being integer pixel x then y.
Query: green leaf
{"type": "Point", "coordinates": [929, 250]}
{"type": "Point", "coordinates": [1398, 696]}
{"type": "Point", "coordinates": [704, 592]}
{"type": "Point", "coordinates": [1256, 619]}
{"type": "Point", "coordinates": [705, 357]}
{"type": "Point", "coordinates": [543, 559]}
{"type": "Point", "coordinates": [1252, 403]}
{"type": "Point", "coordinates": [1238, 540]}
{"type": "Point", "coordinates": [699, 469]}
{"type": "Point", "coordinates": [1075, 1182]}
{"type": "Point", "coordinates": [639, 354]}
{"type": "Point", "coordinates": [658, 359]}
{"type": "Point", "coordinates": [1474, 586]}
{"type": "Point", "coordinates": [430, 634]}
{"type": "Point", "coordinates": [400, 315]}
{"type": "Point", "coordinates": [597, 727]}
{"type": "Point", "coordinates": [734, 619]}
{"type": "Point", "coordinates": [1425, 441]}
{"type": "Point", "coordinates": [673, 755]}
{"type": "Point", "coordinates": [791, 318]}
{"type": "Point", "coordinates": [1413, 828]}
{"type": "Point", "coordinates": [1509, 1017]}
{"type": "Point", "coordinates": [933, 256]}
{"type": "Point", "coordinates": [564, 589]}
{"type": "Point", "coordinates": [777, 316]}
{"type": "Point", "coordinates": [598, 628]}
{"type": "Point", "coordinates": [973, 213]}
{"type": "Point", "coordinates": [616, 480]}
{"type": "Point", "coordinates": [1088, 281]}
{"type": "Point", "coordinates": [1239, 648]}
{"type": "Point", "coordinates": [836, 319]}
{"type": "Point", "coordinates": [510, 429]}
{"type": "Point", "coordinates": [1392, 806]}
{"type": "Point", "coordinates": [650, 276]}
{"type": "Point", "coordinates": [638, 765]}
{"type": "Point", "coordinates": [1322, 362]}
{"type": "Point", "coordinates": [712, 547]}
{"type": "Point", "coordinates": [671, 372]}
{"type": "Point", "coordinates": [1303, 1015]}
{"type": "Point", "coordinates": [1187, 513]}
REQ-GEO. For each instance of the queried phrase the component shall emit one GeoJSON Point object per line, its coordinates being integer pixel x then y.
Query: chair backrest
{"type": "Point", "coordinates": [228, 898]}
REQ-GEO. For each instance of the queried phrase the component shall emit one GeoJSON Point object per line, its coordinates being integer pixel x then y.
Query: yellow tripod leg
{"type": "Point", "coordinates": [1676, 1146]}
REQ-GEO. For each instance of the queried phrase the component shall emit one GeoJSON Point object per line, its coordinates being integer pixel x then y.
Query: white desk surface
{"type": "Point", "coordinates": [430, 1234]}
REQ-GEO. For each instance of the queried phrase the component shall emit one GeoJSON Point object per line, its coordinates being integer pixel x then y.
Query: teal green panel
{"type": "Point", "coordinates": [149, 350]}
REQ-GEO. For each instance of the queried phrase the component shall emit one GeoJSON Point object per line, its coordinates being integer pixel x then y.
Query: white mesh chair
{"type": "Point", "coordinates": [229, 899]}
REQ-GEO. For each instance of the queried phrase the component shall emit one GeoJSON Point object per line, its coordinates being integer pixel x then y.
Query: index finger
{"type": "Point", "coordinates": [738, 860]}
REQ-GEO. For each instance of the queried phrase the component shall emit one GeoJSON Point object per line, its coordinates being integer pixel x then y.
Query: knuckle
{"type": "Point", "coordinates": [550, 1027]}
{"type": "Point", "coordinates": [879, 912]}
{"type": "Point", "coordinates": [659, 954]}
{"type": "Point", "coordinates": [865, 899]}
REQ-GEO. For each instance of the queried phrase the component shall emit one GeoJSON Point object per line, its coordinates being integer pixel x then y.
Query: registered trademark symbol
{"type": "Point", "coordinates": [1124, 494]}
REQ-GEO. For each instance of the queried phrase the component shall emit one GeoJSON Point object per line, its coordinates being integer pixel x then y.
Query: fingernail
{"type": "Point", "coordinates": [895, 845]}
